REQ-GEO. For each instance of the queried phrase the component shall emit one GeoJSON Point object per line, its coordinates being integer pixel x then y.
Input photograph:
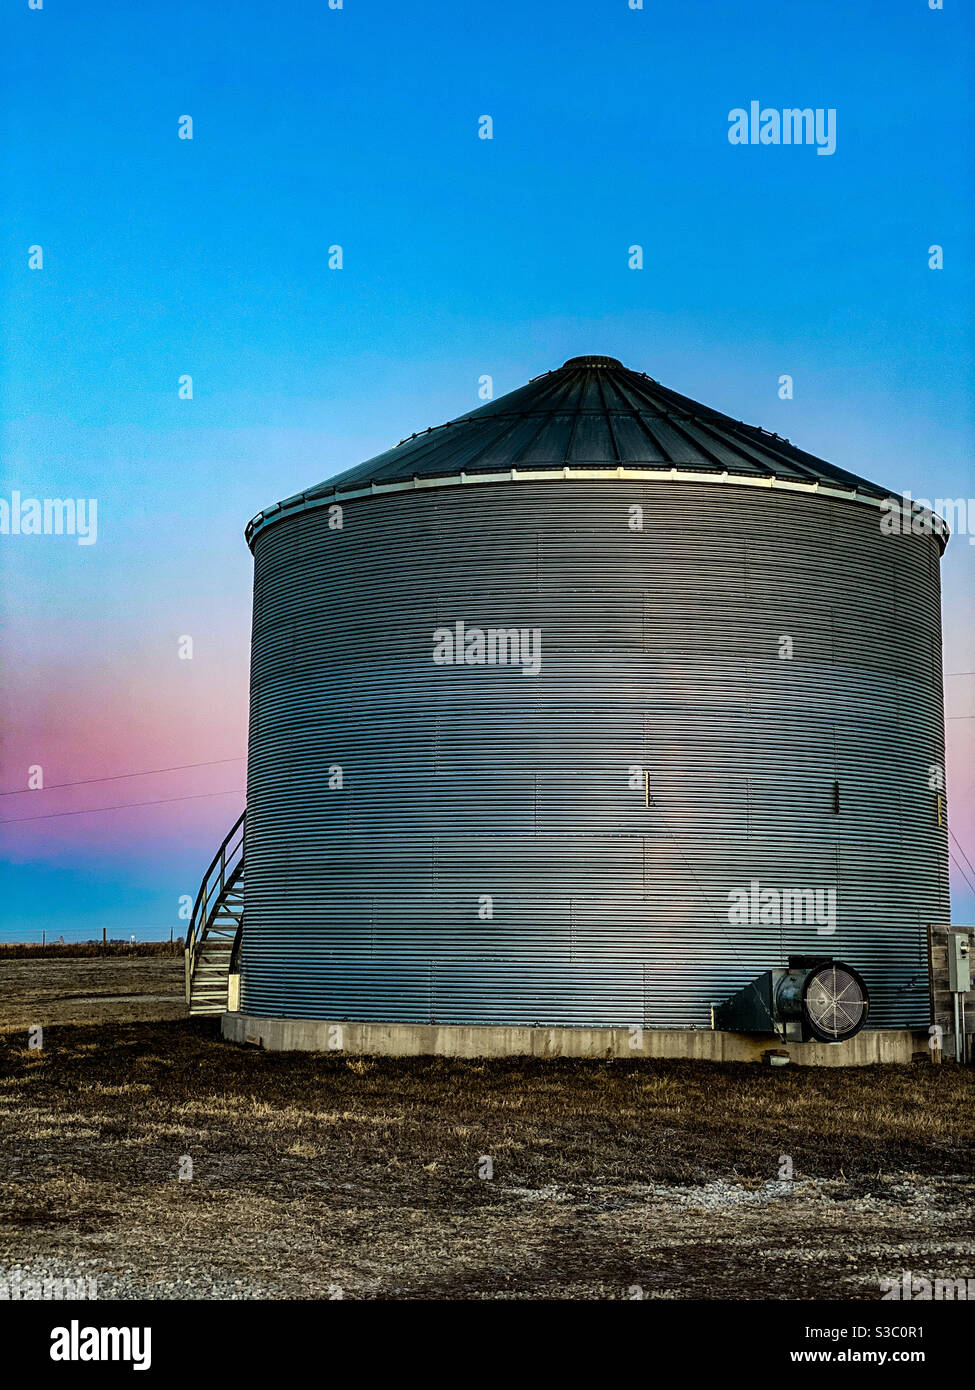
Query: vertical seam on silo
{"type": "Point", "coordinates": [746, 595]}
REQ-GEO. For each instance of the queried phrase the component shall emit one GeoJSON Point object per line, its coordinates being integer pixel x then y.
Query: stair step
{"type": "Point", "coordinates": [222, 896]}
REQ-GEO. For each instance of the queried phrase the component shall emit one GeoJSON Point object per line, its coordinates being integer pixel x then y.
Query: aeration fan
{"type": "Point", "coordinates": [817, 999]}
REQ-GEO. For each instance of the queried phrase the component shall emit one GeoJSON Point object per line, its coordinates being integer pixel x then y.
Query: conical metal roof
{"type": "Point", "coordinates": [590, 414]}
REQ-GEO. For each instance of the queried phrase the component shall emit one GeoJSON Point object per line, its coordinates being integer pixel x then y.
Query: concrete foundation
{"type": "Point", "coordinates": [434, 1040]}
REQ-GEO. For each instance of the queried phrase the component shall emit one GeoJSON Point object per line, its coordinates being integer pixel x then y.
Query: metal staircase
{"type": "Point", "coordinates": [215, 926]}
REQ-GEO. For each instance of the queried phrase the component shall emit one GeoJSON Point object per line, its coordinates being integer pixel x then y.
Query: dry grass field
{"type": "Point", "coordinates": [319, 1175]}
{"type": "Point", "coordinates": [47, 988]}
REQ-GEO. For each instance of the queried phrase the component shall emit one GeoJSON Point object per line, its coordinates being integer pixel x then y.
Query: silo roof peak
{"type": "Point", "coordinates": [590, 417]}
{"type": "Point", "coordinates": [594, 413]}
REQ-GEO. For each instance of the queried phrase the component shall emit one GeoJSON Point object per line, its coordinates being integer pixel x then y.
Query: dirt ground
{"type": "Point", "coordinates": [321, 1176]}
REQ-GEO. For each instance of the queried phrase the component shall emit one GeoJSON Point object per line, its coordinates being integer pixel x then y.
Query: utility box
{"type": "Point", "coordinates": [959, 963]}
{"type": "Point", "coordinates": [952, 997]}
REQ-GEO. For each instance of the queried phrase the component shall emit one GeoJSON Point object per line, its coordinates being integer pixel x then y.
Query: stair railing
{"type": "Point", "coordinates": [225, 869]}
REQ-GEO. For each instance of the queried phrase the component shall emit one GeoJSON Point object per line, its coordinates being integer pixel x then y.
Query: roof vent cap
{"type": "Point", "coordinates": [593, 362]}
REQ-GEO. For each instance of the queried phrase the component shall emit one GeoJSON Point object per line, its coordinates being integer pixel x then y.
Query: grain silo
{"type": "Point", "coordinates": [582, 711]}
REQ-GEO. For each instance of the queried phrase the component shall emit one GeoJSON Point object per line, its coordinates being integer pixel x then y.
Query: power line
{"type": "Point", "coordinates": [120, 776]}
{"type": "Point", "coordinates": [123, 806]}
{"type": "Point", "coordinates": [962, 871]}
{"type": "Point", "coordinates": [961, 848]}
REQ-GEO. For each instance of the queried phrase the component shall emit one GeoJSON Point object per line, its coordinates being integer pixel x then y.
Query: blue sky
{"type": "Point", "coordinates": [461, 257]}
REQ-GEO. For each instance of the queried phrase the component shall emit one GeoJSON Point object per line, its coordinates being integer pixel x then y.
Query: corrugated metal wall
{"type": "Point", "coordinates": [660, 649]}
